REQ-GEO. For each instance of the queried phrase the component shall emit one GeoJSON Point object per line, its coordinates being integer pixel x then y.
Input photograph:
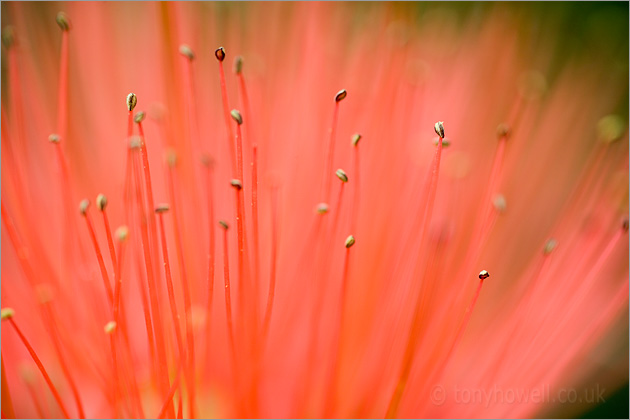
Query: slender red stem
{"type": "Point", "coordinates": [228, 299]}
{"type": "Point", "coordinates": [226, 114]}
{"type": "Point", "coordinates": [7, 402]}
{"type": "Point", "coordinates": [41, 368]}
{"type": "Point", "coordinates": [99, 257]}
{"type": "Point", "coordinates": [190, 373]}
{"type": "Point", "coordinates": [211, 261]}
{"type": "Point", "coordinates": [245, 103]}
{"type": "Point", "coordinates": [169, 287]}
{"type": "Point", "coordinates": [110, 239]}
{"type": "Point", "coordinates": [354, 212]}
{"type": "Point", "coordinates": [412, 338]}
{"type": "Point", "coordinates": [327, 180]}
{"type": "Point", "coordinates": [333, 384]}
{"type": "Point", "coordinates": [255, 226]}
{"type": "Point", "coordinates": [168, 401]}
{"type": "Point", "coordinates": [62, 104]}
{"type": "Point", "coordinates": [160, 344]}
{"type": "Point", "coordinates": [52, 327]}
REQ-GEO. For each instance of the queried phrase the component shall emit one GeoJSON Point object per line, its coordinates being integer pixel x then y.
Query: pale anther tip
{"type": "Point", "coordinates": [54, 138]}
{"type": "Point", "coordinates": [122, 233]}
{"type": "Point", "coordinates": [236, 116]}
{"type": "Point", "coordinates": [341, 95]}
{"type": "Point", "coordinates": [101, 202]}
{"type": "Point", "coordinates": [110, 327]}
{"type": "Point", "coordinates": [350, 241]}
{"type": "Point", "coordinates": [341, 174]}
{"type": "Point", "coordinates": [63, 21]}
{"type": "Point", "coordinates": [162, 208]}
{"type": "Point", "coordinates": [219, 53]}
{"type": "Point", "coordinates": [483, 275]}
{"type": "Point", "coordinates": [238, 64]}
{"type": "Point", "coordinates": [186, 51]}
{"type": "Point", "coordinates": [6, 313]}
{"type": "Point", "coordinates": [132, 101]}
{"type": "Point", "coordinates": [322, 208]}
{"type": "Point", "coordinates": [439, 128]}
{"type": "Point", "coordinates": [139, 117]}
{"type": "Point", "coordinates": [83, 206]}
{"type": "Point", "coordinates": [550, 245]}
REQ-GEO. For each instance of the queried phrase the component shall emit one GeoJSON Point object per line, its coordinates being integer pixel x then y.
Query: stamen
{"type": "Point", "coordinates": [7, 402]}
{"type": "Point", "coordinates": [160, 210]}
{"type": "Point", "coordinates": [326, 181]}
{"type": "Point", "coordinates": [209, 164]}
{"type": "Point", "coordinates": [7, 315]}
{"type": "Point", "coordinates": [132, 101]}
{"type": "Point", "coordinates": [338, 336]}
{"type": "Point", "coordinates": [186, 51]}
{"type": "Point", "coordinates": [83, 208]}
{"type": "Point", "coordinates": [220, 55]}
{"type": "Point", "coordinates": [341, 175]}
{"type": "Point", "coordinates": [228, 300]}
{"type": "Point", "coordinates": [190, 374]}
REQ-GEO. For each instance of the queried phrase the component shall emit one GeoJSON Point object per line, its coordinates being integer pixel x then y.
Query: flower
{"type": "Point", "coordinates": [432, 265]}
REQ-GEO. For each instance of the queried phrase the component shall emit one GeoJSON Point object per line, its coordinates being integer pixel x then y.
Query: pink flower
{"type": "Point", "coordinates": [432, 266]}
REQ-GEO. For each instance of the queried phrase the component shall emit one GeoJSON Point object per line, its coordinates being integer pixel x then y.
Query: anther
{"type": "Point", "coordinates": [135, 142]}
{"type": "Point", "coordinates": [610, 128]}
{"type": "Point", "coordinates": [207, 160]}
{"type": "Point", "coordinates": [236, 116]}
{"type": "Point", "coordinates": [499, 203]}
{"type": "Point", "coordinates": [341, 95]}
{"type": "Point", "coordinates": [110, 327]}
{"type": "Point", "coordinates": [54, 138]}
{"type": "Point", "coordinates": [186, 51]}
{"type": "Point", "coordinates": [132, 101]}
{"type": "Point", "coordinates": [8, 36]}
{"type": "Point", "coordinates": [224, 224]}
{"type": "Point", "coordinates": [219, 53]}
{"type": "Point", "coordinates": [44, 293]}
{"type": "Point", "coordinates": [171, 158]}
{"type": "Point", "coordinates": [439, 128]}
{"type": "Point", "coordinates": [238, 65]}
{"type": "Point", "coordinates": [624, 225]}
{"type": "Point", "coordinates": [355, 139]}
{"type": "Point", "coordinates": [483, 275]}
{"type": "Point", "coordinates": [322, 208]}
{"type": "Point", "coordinates": [83, 206]}
{"type": "Point", "coordinates": [503, 131]}
{"type": "Point", "coordinates": [7, 313]}
{"type": "Point", "coordinates": [139, 117]}
{"type": "Point", "coordinates": [341, 175]}
{"type": "Point", "coordinates": [122, 233]}
{"type": "Point", "coordinates": [101, 202]}
{"type": "Point", "coordinates": [162, 208]}
{"type": "Point", "coordinates": [63, 21]}
{"type": "Point", "coordinates": [550, 245]}
{"type": "Point", "coordinates": [350, 241]}
{"type": "Point", "coordinates": [236, 184]}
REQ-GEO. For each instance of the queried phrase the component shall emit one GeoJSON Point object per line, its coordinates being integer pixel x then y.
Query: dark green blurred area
{"type": "Point", "coordinates": [593, 33]}
{"type": "Point", "coordinates": [615, 407]}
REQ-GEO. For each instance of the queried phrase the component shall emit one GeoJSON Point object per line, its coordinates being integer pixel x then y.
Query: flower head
{"type": "Point", "coordinates": [269, 284]}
